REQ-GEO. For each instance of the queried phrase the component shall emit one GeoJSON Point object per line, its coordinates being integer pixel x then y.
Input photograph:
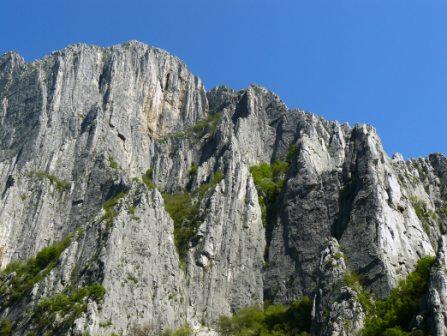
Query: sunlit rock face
{"type": "Point", "coordinates": [79, 129]}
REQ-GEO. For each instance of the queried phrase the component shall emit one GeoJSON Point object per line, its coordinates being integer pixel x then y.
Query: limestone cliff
{"type": "Point", "coordinates": [96, 145]}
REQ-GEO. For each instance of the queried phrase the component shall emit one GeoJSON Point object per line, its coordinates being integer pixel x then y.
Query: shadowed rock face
{"type": "Point", "coordinates": [82, 126]}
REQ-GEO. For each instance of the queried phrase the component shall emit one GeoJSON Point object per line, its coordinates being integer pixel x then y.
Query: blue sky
{"type": "Point", "coordinates": [379, 62]}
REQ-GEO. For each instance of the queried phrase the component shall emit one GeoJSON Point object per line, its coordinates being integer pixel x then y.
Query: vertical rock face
{"type": "Point", "coordinates": [344, 186]}
{"type": "Point", "coordinates": [437, 297]}
{"type": "Point", "coordinates": [66, 115]}
{"type": "Point", "coordinates": [79, 129]}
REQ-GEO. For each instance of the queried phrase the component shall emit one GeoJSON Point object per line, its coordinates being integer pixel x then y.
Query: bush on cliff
{"type": "Point", "coordinates": [277, 320]}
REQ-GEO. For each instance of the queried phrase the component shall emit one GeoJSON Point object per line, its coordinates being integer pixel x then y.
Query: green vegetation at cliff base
{"type": "Point", "coordinates": [274, 320]}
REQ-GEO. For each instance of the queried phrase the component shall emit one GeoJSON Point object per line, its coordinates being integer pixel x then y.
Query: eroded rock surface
{"type": "Point", "coordinates": [79, 129]}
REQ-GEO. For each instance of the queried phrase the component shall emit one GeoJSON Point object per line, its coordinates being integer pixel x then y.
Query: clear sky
{"type": "Point", "coordinates": [382, 62]}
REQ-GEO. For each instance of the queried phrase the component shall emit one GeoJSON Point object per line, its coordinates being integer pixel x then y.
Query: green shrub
{"type": "Point", "coordinates": [132, 209]}
{"type": "Point", "coordinates": [51, 253]}
{"type": "Point", "coordinates": [147, 179]}
{"type": "Point", "coordinates": [64, 302]}
{"type": "Point", "coordinates": [354, 281]}
{"type": "Point", "coordinates": [112, 163]}
{"type": "Point", "coordinates": [109, 207]}
{"type": "Point", "coordinates": [61, 185]}
{"type": "Point", "coordinates": [216, 178]}
{"type": "Point", "coordinates": [291, 152]}
{"type": "Point", "coordinates": [149, 174]}
{"type": "Point", "coordinates": [277, 320]}
{"type": "Point", "coordinates": [182, 331]}
{"type": "Point", "coordinates": [96, 291]}
{"type": "Point", "coordinates": [58, 312]}
{"type": "Point", "coordinates": [443, 210]}
{"type": "Point", "coordinates": [297, 317]}
{"type": "Point", "coordinates": [184, 211]}
{"type": "Point", "coordinates": [395, 332]}
{"type": "Point", "coordinates": [5, 328]}
{"type": "Point", "coordinates": [420, 207]}
{"type": "Point", "coordinates": [394, 315]}
{"type": "Point", "coordinates": [423, 213]}
{"type": "Point", "coordinates": [214, 121]}
{"type": "Point", "coordinates": [27, 273]}
{"type": "Point", "coordinates": [338, 255]}
{"type": "Point", "coordinates": [193, 170]}
{"type": "Point", "coordinates": [204, 126]}
{"type": "Point", "coordinates": [269, 179]}
{"type": "Point", "coordinates": [200, 128]}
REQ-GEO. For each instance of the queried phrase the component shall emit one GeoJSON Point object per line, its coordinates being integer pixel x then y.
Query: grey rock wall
{"type": "Point", "coordinates": [85, 123]}
{"type": "Point", "coordinates": [437, 297]}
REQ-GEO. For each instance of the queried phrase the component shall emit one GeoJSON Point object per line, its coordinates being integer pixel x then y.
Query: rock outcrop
{"type": "Point", "coordinates": [81, 127]}
{"type": "Point", "coordinates": [437, 297]}
{"type": "Point", "coordinates": [337, 309]}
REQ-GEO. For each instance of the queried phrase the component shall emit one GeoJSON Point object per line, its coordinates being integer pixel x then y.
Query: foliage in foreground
{"type": "Point", "coordinates": [277, 320]}
{"type": "Point", "coordinates": [395, 314]}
